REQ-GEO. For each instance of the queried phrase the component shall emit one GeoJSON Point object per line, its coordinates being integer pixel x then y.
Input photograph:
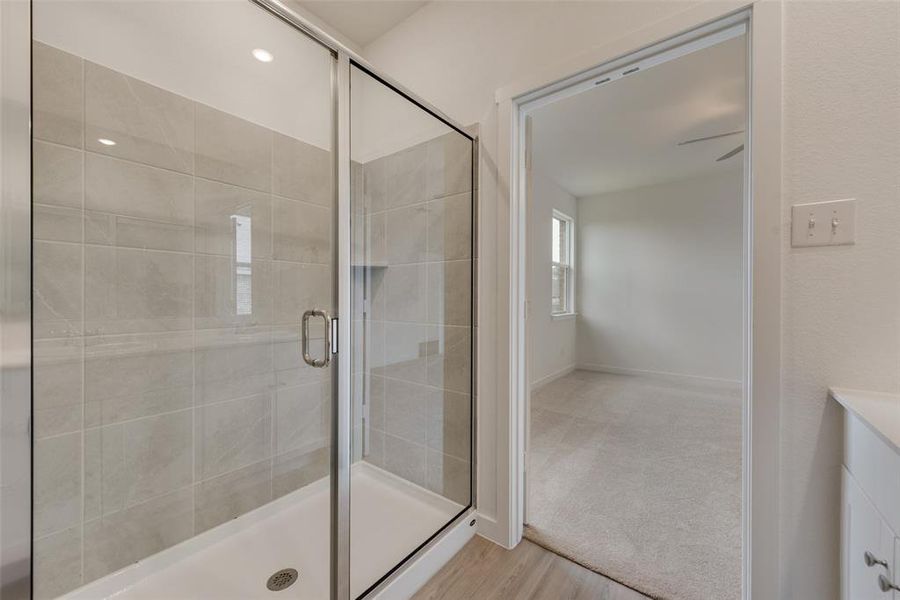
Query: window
{"type": "Point", "coordinates": [243, 271]}
{"type": "Point", "coordinates": [563, 277]}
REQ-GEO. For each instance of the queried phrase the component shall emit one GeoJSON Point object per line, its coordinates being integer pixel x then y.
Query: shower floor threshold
{"type": "Point", "coordinates": [391, 517]}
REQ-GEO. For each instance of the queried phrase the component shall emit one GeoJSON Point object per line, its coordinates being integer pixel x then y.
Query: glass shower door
{"type": "Point", "coordinates": [184, 214]}
{"type": "Point", "coordinates": [412, 330]}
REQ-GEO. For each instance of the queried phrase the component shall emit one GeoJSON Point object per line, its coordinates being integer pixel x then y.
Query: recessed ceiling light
{"type": "Point", "coordinates": [106, 142]}
{"type": "Point", "coordinates": [262, 55]}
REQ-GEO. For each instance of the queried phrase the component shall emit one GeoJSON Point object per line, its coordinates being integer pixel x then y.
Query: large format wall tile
{"type": "Point", "coordinates": [302, 171]}
{"type": "Point", "coordinates": [123, 537]}
{"type": "Point", "coordinates": [57, 103]}
{"type": "Point", "coordinates": [228, 293]}
{"type": "Point", "coordinates": [57, 483]}
{"type": "Point", "coordinates": [405, 235]}
{"type": "Point", "coordinates": [232, 434]}
{"type": "Point", "coordinates": [302, 231]}
{"type": "Point", "coordinates": [449, 367]}
{"type": "Point", "coordinates": [450, 292]}
{"type": "Point", "coordinates": [406, 349]}
{"type": "Point", "coordinates": [405, 174]}
{"type": "Point", "coordinates": [400, 293]}
{"type": "Point", "coordinates": [130, 189]}
{"type": "Point", "coordinates": [406, 410]}
{"type": "Point", "coordinates": [57, 174]}
{"type": "Point", "coordinates": [233, 150]}
{"type": "Point", "coordinates": [57, 192]}
{"type": "Point", "coordinates": [374, 198]}
{"type": "Point", "coordinates": [116, 230]}
{"type": "Point", "coordinates": [132, 376]}
{"type": "Point", "coordinates": [57, 290]}
{"type": "Point", "coordinates": [449, 165]}
{"type": "Point", "coordinates": [56, 223]}
{"type": "Point", "coordinates": [300, 287]}
{"type": "Point", "coordinates": [143, 458]}
{"type": "Point", "coordinates": [449, 477]}
{"type": "Point", "coordinates": [302, 418]}
{"type": "Point", "coordinates": [449, 423]}
{"type": "Point", "coordinates": [131, 290]}
{"type": "Point", "coordinates": [230, 495]}
{"type": "Point", "coordinates": [405, 459]}
{"type": "Point", "coordinates": [297, 468]}
{"type": "Point", "coordinates": [217, 208]}
{"type": "Point", "coordinates": [57, 560]}
{"type": "Point", "coordinates": [233, 364]}
{"type": "Point", "coordinates": [57, 405]}
{"type": "Point", "coordinates": [148, 124]}
{"type": "Point", "coordinates": [450, 227]}
{"type": "Point", "coordinates": [290, 368]}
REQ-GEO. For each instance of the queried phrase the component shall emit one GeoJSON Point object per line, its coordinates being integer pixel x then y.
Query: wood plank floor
{"type": "Point", "coordinates": [484, 571]}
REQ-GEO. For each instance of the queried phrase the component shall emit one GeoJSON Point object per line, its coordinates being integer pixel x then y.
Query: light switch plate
{"type": "Point", "coordinates": [830, 223]}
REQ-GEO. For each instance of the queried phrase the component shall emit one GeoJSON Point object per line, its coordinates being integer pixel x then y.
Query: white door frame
{"type": "Point", "coordinates": [761, 258]}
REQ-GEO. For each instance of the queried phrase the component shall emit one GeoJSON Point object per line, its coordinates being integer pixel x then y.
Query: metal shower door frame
{"type": "Point", "coordinates": [16, 553]}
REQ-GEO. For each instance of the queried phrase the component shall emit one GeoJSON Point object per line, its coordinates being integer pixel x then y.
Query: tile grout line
{"type": "Point", "coordinates": [194, 420]}
{"type": "Point", "coordinates": [84, 318]}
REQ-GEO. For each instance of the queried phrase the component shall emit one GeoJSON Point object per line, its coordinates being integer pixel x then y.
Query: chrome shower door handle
{"type": "Point", "coordinates": [307, 358]}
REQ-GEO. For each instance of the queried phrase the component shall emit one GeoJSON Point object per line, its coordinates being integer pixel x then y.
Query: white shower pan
{"type": "Point", "coordinates": [390, 517]}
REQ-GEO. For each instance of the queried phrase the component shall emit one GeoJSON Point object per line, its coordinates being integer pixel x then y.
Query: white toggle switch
{"type": "Point", "coordinates": [823, 223]}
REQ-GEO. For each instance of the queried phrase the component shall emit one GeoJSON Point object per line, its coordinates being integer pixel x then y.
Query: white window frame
{"type": "Point", "coordinates": [569, 309]}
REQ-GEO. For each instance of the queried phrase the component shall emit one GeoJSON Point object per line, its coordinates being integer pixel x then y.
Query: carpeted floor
{"type": "Point", "coordinates": [639, 479]}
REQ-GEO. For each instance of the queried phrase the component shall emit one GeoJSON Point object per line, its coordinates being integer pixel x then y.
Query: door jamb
{"type": "Point", "coordinates": [761, 282]}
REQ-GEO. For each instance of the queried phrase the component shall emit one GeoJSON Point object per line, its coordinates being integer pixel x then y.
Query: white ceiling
{"type": "Point", "coordinates": [625, 134]}
{"type": "Point", "coordinates": [362, 21]}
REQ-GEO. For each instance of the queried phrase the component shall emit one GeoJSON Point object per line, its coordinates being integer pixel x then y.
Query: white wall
{"type": "Point", "coordinates": [841, 137]}
{"type": "Point", "coordinates": [659, 278]}
{"type": "Point", "coordinates": [552, 340]}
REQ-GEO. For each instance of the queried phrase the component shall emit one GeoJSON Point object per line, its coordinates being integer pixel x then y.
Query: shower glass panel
{"type": "Point", "coordinates": [412, 290]}
{"type": "Point", "coordinates": [183, 222]}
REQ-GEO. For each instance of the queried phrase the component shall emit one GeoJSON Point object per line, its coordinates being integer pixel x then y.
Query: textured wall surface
{"type": "Point", "coordinates": [660, 283]}
{"type": "Point", "coordinates": [841, 309]}
{"type": "Point", "coordinates": [169, 391]}
{"type": "Point", "coordinates": [552, 340]}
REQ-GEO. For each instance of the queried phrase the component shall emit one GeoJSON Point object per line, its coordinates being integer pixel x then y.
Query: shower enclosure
{"type": "Point", "coordinates": [251, 314]}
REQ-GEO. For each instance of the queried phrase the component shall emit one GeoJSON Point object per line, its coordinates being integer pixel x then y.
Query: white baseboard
{"type": "Point", "coordinates": [676, 377]}
{"type": "Point", "coordinates": [535, 385]}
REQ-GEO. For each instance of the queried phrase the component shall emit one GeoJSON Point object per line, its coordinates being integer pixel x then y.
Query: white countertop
{"type": "Point", "coordinates": [881, 412]}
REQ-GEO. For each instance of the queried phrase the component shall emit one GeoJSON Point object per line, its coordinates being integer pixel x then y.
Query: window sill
{"type": "Point", "coordinates": [563, 316]}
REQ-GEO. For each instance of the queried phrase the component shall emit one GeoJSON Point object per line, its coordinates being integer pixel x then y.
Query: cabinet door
{"type": "Point", "coordinates": [896, 565]}
{"type": "Point", "coordinates": [863, 530]}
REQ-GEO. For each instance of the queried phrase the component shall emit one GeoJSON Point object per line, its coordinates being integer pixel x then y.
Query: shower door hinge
{"type": "Point", "coordinates": [334, 335]}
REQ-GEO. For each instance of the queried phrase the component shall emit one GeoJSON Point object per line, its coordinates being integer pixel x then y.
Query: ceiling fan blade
{"type": "Point", "coordinates": [728, 155]}
{"type": "Point", "coordinates": [710, 137]}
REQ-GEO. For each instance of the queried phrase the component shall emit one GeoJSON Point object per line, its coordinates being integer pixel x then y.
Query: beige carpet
{"type": "Point", "coordinates": [639, 479]}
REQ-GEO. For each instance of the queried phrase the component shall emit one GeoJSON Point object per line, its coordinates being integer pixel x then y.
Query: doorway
{"type": "Point", "coordinates": [635, 180]}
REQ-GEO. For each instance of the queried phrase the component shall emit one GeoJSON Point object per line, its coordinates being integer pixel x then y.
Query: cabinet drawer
{"type": "Point", "coordinates": [864, 532]}
{"type": "Point", "coordinates": [875, 466]}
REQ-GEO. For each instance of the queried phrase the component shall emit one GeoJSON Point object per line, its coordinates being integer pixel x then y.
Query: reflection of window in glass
{"type": "Point", "coordinates": [562, 277]}
{"type": "Point", "coordinates": [243, 301]}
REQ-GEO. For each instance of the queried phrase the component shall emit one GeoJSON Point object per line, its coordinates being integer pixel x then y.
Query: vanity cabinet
{"type": "Point", "coordinates": [867, 545]}
{"type": "Point", "coordinates": [870, 496]}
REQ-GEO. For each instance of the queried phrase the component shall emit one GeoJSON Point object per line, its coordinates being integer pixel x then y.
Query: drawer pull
{"type": "Point", "coordinates": [887, 585]}
{"type": "Point", "coordinates": [872, 560]}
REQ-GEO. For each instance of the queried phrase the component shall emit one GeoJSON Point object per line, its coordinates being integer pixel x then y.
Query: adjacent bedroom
{"type": "Point", "coordinates": [636, 224]}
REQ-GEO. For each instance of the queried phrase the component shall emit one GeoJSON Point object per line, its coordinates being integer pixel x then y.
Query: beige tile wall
{"type": "Point", "coordinates": [159, 411]}
{"type": "Point", "coordinates": [413, 232]}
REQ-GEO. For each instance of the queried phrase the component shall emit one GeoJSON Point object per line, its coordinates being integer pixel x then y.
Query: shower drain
{"type": "Point", "coordinates": [282, 579]}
